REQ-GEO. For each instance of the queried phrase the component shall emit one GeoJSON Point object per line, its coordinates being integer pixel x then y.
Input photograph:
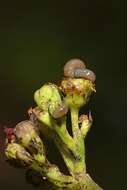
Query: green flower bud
{"type": "Point", "coordinates": [77, 86]}
{"type": "Point", "coordinates": [15, 151]}
{"type": "Point", "coordinates": [42, 116]}
{"type": "Point", "coordinates": [48, 99]}
{"type": "Point", "coordinates": [29, 138]}
{"type": "Point", "coordinates": [77, 91]}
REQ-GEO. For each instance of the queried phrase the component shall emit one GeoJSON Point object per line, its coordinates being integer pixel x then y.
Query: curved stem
{"type": "Point", "coordinates": [53, 174]}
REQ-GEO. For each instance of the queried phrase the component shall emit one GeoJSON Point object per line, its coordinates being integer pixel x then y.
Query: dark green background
{"type": "Point", "coordinates": [35, 42]}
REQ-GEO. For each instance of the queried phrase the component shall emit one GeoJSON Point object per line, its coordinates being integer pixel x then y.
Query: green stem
{"type": "Point", "coordinates": [74, 119]}
{"type": "Point", "coordinates": [53, 175]}
{"type": "Point", "coordinates": [62, 132]}
{"type": "Point", "coordinates": [80, 165]}
{"type": "Point", "coordinates": [65, 182]}
{"type": "Point", "coordinates": [66, 155]}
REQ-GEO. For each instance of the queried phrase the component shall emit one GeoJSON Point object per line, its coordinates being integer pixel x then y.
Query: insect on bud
{"type": "Point", "coordinates": [71, 66]}
{"type": "Point", "coordinates": [85, 73]}
{"type": "Point", "coordinates": [75, 68]}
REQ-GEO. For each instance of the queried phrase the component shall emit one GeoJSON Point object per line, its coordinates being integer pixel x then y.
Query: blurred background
{"type": "Point", "coordinates": [35, 42]}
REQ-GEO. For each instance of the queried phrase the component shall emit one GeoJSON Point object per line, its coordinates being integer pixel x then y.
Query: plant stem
{"type": "Point", "coordinates": [74, 120]}
{"type": "Point", "coordinates": [64, 135]}
{"type": "Point", "coordinates": [80, 165]}
{"type": "Point", "coordinates": [65, 182]}
{"type": "Point", "coordinates": [53, 174]}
